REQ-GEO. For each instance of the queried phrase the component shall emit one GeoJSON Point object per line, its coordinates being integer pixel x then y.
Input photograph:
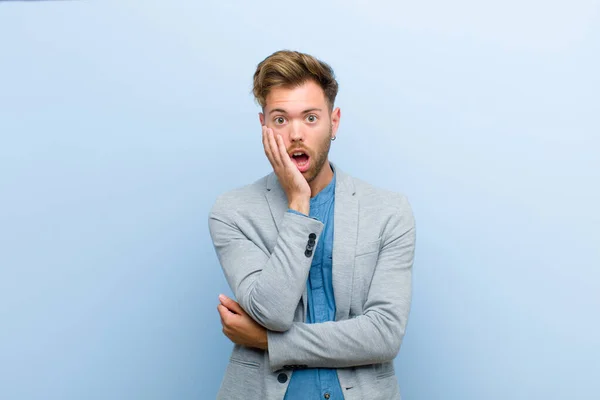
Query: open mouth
{"type": "Point", "coordinates": [301, 159]}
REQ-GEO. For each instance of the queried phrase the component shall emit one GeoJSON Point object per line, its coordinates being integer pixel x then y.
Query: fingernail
{"type": "Point", "coordinates": [222, 297]}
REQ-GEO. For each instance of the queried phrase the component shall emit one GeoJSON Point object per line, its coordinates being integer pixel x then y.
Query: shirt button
{"type": "Point", "coordinates": [282, 378]}
{"type": "Point", "coordinates": [327, 395]}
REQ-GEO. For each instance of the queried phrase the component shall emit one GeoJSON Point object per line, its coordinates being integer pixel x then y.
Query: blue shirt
{"type": "Point", "coordinates": [314, 383]}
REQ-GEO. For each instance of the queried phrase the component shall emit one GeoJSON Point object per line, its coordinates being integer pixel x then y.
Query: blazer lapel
{"type": "Point", "coordinates": [345, 233]}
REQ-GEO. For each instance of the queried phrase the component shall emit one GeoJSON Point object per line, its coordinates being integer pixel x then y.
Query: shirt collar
{"type": "Point", "coordinates": [326, 194]}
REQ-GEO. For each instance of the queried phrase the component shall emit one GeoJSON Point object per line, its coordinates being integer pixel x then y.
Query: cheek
{"type": "Point", "coordinates": [283, 131]}
{"type": "Point", "coordinates": [323, 135]}
{"type": "Point", "coordinates": [279, 129]}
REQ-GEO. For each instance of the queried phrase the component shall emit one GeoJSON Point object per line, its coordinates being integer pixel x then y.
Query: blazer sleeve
{"type": "Point", "coordinates": [373, 337]}
{"type": "Point", "coordinates": [267, 286]}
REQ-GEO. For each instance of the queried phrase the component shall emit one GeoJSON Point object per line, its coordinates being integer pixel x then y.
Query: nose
{"type": "Point", "coordinates": [296, 132]}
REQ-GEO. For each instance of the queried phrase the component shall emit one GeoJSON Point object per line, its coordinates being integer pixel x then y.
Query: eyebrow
{"type": "Point", "coordinates": [281, 110]}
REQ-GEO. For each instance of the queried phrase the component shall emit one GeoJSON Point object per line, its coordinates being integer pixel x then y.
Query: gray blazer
{"type": "Point", "coordinates": [265, 255]}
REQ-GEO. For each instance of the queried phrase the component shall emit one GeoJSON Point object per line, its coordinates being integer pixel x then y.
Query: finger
{"type": "Point", "coordinates": [285, 157]}
{"type": "Point", "coordinates": [273, 144]}
{"type": "Point", "coordinates": [271, 147]}
{"type": "Point", "coordinates": [220, 317]}
{"type": "Point", "coordinates": [231, 304]}
{"type": "Point", "coordinates": [266, 145]}
{"type": "Point", "coordinates": [224, 313]}
{"type": "Point", "coordinates": [226, 333]}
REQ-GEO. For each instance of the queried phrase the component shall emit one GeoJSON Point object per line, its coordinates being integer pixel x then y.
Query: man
{"type": "Point", "coordinates": [320, 262]}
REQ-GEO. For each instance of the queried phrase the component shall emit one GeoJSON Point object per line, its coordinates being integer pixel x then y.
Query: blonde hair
{"type": "Point", "coordinates": [289, 69]}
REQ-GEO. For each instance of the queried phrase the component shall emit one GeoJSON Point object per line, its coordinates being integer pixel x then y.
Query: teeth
{"type": "Point", "coordinates": [297, 154]}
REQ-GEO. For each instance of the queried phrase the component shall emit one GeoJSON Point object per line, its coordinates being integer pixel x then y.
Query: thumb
{"type": "Point", "coordinates": [231, 304]}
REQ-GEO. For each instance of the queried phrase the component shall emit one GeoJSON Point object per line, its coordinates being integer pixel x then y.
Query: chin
{"type": "Point", "coordinates": [310, 176]}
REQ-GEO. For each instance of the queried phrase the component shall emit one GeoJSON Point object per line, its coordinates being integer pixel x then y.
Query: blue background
{"type": "Point", "coordinates": [121, 121]}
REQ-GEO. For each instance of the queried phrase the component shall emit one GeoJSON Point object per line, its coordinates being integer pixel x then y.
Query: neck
{"type": "Point", "coordinates": [321, 180]}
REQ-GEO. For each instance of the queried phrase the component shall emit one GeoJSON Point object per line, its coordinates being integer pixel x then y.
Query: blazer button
{"type": "Point", "coordinates": [327, 395]}
{"type": "Point", "coordinates": [308, 253]}
{"type": "Point", "coordinates": [282, 378]}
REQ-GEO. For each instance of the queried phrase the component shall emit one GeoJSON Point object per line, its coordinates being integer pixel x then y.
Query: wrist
{"type": "Point", "coordinates": [264, 341]}
{"type": "Point", "coordinates": [302, 206]}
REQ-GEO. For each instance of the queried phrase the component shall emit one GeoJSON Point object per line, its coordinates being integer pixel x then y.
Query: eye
{"type": "Point", "coordinates": [279, 120]}
{"type": "Point", "coordinates": [311, 118]}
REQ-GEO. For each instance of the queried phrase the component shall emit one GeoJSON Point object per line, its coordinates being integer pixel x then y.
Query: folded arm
{"type": "Point", "coordinates": [373, 337]}
{"type": "Point", "coordinates": [267, 286]}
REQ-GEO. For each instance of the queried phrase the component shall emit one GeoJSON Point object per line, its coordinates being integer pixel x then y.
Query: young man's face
{"type": "Point", "coordinates": [301, 116]}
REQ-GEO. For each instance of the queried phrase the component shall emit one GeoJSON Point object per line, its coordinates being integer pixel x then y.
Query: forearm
{"type": "Point", "coordinates": [374, 336]}
{"type": "Point", "coordinates": [366, 339]}
{"type": "Point", "coordinates": [272, 296]}
{"type": "Point", "coordinates": [267, 286]}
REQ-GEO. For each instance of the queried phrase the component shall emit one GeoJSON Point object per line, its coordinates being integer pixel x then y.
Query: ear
{"type": "Point", "coordinates": [261, 117]}
{"type": "Point", "coordinates": [335, 120]}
